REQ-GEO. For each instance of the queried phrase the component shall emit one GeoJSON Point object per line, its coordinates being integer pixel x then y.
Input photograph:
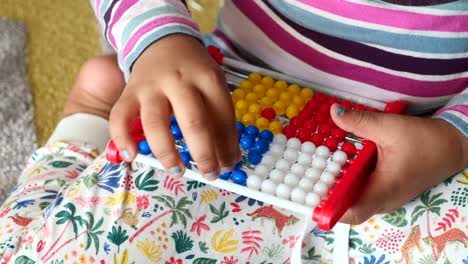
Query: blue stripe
{"type": "Point", "coordinates": [104, 7]}
{"type": "Point", "coordinates": [372, 36]}
{"type": "Point", "coordinates": [461, 99]}
{"type": "Point", "coordinates": [154, 36]}
{"type": "Point", "coordinates": [459, 123]}
{"type": "Point", "coordinates": [459, 5]}
{"type": "Point", "coordinates": [137, 21]}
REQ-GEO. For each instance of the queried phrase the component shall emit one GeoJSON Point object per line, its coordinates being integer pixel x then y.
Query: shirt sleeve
{"type": "Point", "coordinates": [456, 112]}
{"type": "Point", "coordinates": [130, 26]}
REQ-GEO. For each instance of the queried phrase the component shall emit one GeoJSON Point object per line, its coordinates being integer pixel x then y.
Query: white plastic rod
{"type": "Point", "coordinates": [235, 188]}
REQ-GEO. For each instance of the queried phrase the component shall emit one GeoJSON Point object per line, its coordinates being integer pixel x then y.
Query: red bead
{"type": "Point", "coordinates": [331, 122]}
{"type": "Point", "coordinates": [325, 107]}
{"type": "Point", "coordinates": [348, 148]}
{"type": "Point", "coordinates": [333, 100]}
{"type": "Point", "coordinates": [339, 134]}
{"type": "Point", "coordinates": [112, 153]}
{"type": "Point", "coordinates": [303, 134]}
{"type": "Point", "coordinates": [312, 105]}
{"type": "Point", "coordinates": [397, 107]}
{"type": "Point", "coordinates": [347, 104]}
{"type": "Point", "coordinates": [331, 143]}
{"type": "Point", "coordinates": [375, 110]}
{"type": "Point", "coordinates": [320, 97]}
{"type": "Point", "coordinates": [306, 114]}
{"type": "Point", "coordinates": [360, 107]}
{"type": "Point", "coordinates": [289, 131]}
{"type": "Point", "coordinates": [324, 129]}
{"type": "Point", "coordinates": [311, 125]}
{"type": "Point", "coordinates": [297, 121]}
{"type": "Point", "coordinates": [137, 126]}
{"type": "Point", "coordinates": [269, 114]}
{"type": "Point", "coordinates": [321, 117]}
{"type": "Point", "coordinates": [317, 139]}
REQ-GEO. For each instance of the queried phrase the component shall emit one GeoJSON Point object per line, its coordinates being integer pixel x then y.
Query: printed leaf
{"type": "Point", "coordinates": [60, 164]}
{"type": "Point", "coordinates": [204, 261]}
{"type": "Point", "coordinates": [220, 214]}
{"type": "Point", "coordinates": [225, 244]}
{"type": "Point", "coordinates": [145, 183]}
{"type": "Point", "coordinates": [24, 260]}
{"type": "Point", "coordinates": [396, 218]}
{"type": "Point", "coordinates": [208, 196]}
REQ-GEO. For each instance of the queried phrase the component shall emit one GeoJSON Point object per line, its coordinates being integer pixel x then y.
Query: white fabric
{"type": "Point", "coordinates": [341, 243]}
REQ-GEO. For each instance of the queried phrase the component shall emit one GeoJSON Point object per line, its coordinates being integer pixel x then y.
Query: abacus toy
{"type": "Point", "coordinates": [294, 156]}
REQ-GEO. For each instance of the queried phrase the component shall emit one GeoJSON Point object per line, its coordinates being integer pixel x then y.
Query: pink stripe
{"type": "Point", "coordinates": [98, 7]}
{"type": "Point", "coordinates": [389, 17]}
{"type": "Point", "coordinates": [123, 7]}
{"type": "Point", "coordinates": [459, 108]}
{"type": "Point", "coordinates": [154, 24]}
{"type": "Point", "coordinates": [325, 63]}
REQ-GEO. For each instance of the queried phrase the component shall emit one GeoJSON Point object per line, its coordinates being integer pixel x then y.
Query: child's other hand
{"type": "Point", "coordinates": [414, 154]}
{"type": "Point", "coordinates": [176, 75]}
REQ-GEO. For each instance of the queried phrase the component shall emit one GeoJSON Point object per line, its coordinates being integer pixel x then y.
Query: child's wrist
{"type": "Point", "coordinates": [457, 140]}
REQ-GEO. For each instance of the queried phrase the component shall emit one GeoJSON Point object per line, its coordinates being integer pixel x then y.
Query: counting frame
{"type": "Point", "coordinates": [294, 156]}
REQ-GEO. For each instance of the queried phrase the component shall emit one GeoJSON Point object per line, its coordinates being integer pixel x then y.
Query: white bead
{"type": "Point", "coordinates": [276, 151]}
{"type": "Point", "coordinates": [340, 157]}
{"type": "Point", "coordinates": [313, 174]}
{"type": "Point", "coordinates": [308, 147]}
{"type": "Point", "coordinates": [294, 143]}
{"type": "Point", "coordinates": [254, 182]}
{"type": "Point", "coordinates": [298, 169]}
{"type": "Point", "coordinates": [319, 163]}
{"type": "Point", "coordinates": [306, 184]}
{"type": "Point", "coordinates": [277, 176]}
{"type": "Point", "coordinates": [280, 139]}
{"type": "Point", "coordinates": [283, 165]}
{"type": "Point", "coordinates": [291, 179]}
{"type": "Point", "coordinates": [268, 161]}
{"type": "Point", "coordinates": [261, 171]}
{"type": "Point", "coordinates": [298, 195]}
{"type": "Point", "coordinates": [333, 168]}
{"type": "Point", "coordinates": [283, 191]}
{"type": "Point", "coordinates": [328, 179]}
{"type": "Point", "coordinates": [290, 155]}
{"type": "Point", "coordinates": [305, 159]}
{"type": "Point", "coordinates": [268, 186]}
{"type": "Point", "coordinates": [321, 189]}
{"type": "Point", "coordinates": [323, 152]}
{"type": "Point", "coordinates": [312, 199]}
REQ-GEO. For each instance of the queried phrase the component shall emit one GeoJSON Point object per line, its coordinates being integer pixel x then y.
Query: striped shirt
{"type": "Point", "coordinates": [371, 48]}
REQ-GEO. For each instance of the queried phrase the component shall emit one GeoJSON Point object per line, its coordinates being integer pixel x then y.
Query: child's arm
{"type": "Point", "coordinates": [168, 72]}
{"type": "Point", "coordinates": [456, 112]}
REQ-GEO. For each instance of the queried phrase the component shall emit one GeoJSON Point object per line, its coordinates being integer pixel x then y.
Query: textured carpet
{"type": "Point", "coordinates": [17, 132]}
{"type": "Point", "coordinates": [61, 35]}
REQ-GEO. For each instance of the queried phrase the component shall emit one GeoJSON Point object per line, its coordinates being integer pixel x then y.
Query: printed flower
{"type": "Point", "coordinates": [230, 260]}
{"type": "Point", "coordinates": [174, 261]}
{"type": "Point", "coordinates": [199, 225]}
{"type": "Point", "coordinates": [142, 202]}
{"type": "Point", "coordinates": [150, 249]}
{"type": "Point", "coordinates": [291, 241]}
{"type": "Point", "coordinates": [4, 212]}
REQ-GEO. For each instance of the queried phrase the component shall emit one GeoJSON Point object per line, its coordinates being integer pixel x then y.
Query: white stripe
{"type": "Point", "coordinates": [413, 9]}
{"type": "Point", "coordinates": [455, 113]}
{"type": "Point", "coordinates": [270, 53]}
{"type": "Point", "coordinates": [349, 60]}
{"type": "Point", "coordinates": [420, 54]}
{"type": "Point", "coordinates": [358, 23]}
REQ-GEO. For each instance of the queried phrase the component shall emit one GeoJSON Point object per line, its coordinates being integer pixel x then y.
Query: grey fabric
{"type": "Point", "coordinates": [17, 131]}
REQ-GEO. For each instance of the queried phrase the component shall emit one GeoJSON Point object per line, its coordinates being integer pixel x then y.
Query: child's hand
{"type": "Point", "coordinates": [414, 154]}
{"type": "Point", "coordinates": [177, 75]}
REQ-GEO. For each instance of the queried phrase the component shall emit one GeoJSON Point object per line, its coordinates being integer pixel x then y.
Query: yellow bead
{"type": "Point", "coordinates": [246, 86]}
{"type": "Point", "coordinates": [259, 90]}
{"type": "Point", "coordinates": [275, 127]}
{"type": "Point", "coordinates": [294, 89]}
{"type": "Point", "coordinates": [248, 119]}
{"type": "Point", "coordinates": [285, 97]}
{"type": "Point", "coordinates": [267, 102]}
{"type": "Point", "coordinates": [279, 107]}
{"type": "Point", "coordinates": [282, 85]}
{"type": "Point", "coordinates": [242, 106]}
{"type": "Point", "coordinates": [272, 93]}
{"type": "Point", "coordinates": [262, 123]}
{"type": "Point", "coordinates": [307, 93]}
{"type": "Point", "coordinates": [255, 77]}
{"type": "Point", "coordinates": [234, 101]}
{"type": "Point", "coordinates": [238, 94]}
{"type": "Point", "coordinates": [268, 81]}
{"type": "Point", "coordinates": [299, 101]}
{"type": "Point", "coordinates": [251, 98]}
{"type": "Point", "coordinates": [292, 111]}
{"type": "Point", "coordinates": [255, 109]}
{"type": "Point", "coordinates": [238, 115]}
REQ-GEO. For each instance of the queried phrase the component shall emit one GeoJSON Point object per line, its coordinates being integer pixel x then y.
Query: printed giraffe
{"type": "Point", "coordinates": [452, 235]}
{"type": "Point", "coordinates": [281, 220]}
{"type": "Point", "coordinates": [410, 243]}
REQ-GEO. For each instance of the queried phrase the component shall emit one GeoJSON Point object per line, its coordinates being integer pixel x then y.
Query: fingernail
{"type": "Point", "coordinates": [210, 176]}
{"type": "Point", "coordinates": [175, 171]}
{"type": "Point", "coordinates": [340, 110]}
{"type": "Point", "coordinates": [126, 154]}
{"type": "Point", "coordinates": [227, 169]}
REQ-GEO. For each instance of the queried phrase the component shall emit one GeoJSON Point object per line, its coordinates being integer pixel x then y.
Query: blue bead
{"type": "Point", "coordinates": [175, 131]}
{"type": "Point", "coordinates": [262, 146]}
{"type": "Point", "coordinates": [266, 135]}
{"type": "Point", "coordinates": [144, 148]}
{"type": "Point", "coordinates": [252, 131]}
{"type": "Point", "coordinates": [185, 148]}
{"type": "Point", "coordinates": [240, 128]}
{"type": "Point", "coordinates": [225, 176]}
{"type": "Point", "coordinates": [247, 142]}
{"type": "Point", "coordinates": [238, 165]}
{"type": "Point", "coordinates": [254, 157]}
{"type": "Point", "coordinates": [239, 177]}
{"type": "Point", "coordinates": [186, 158]}
{"type": "Point", "coordinates": [173, 120]}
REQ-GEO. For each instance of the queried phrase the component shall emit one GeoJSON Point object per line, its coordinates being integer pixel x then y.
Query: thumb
{"type": "Point", "coordinates": [363, 124]}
